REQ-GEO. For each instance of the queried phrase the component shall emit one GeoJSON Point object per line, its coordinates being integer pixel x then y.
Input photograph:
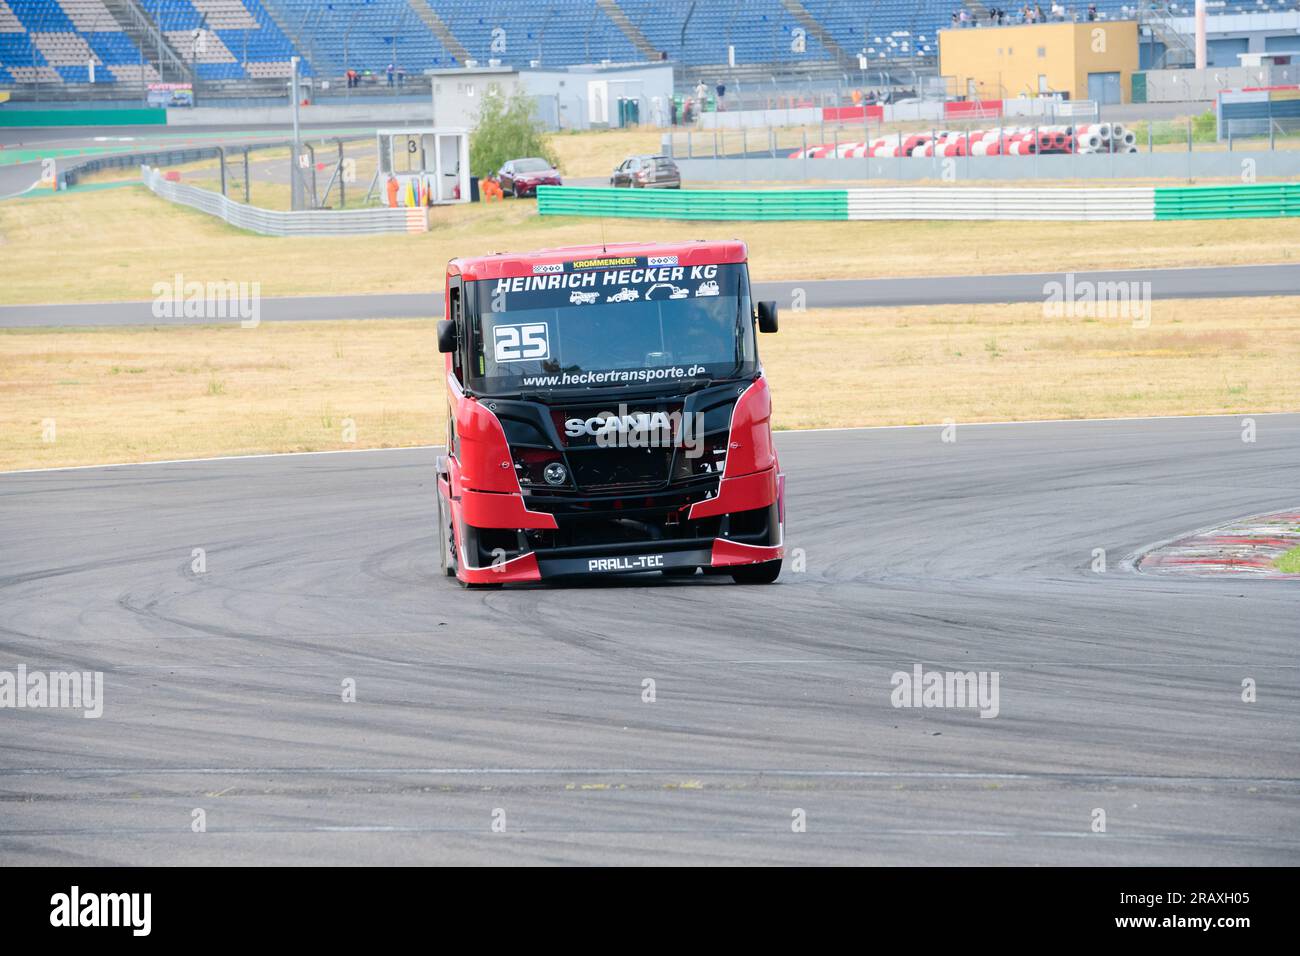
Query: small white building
{"type": "Point", "coordinates": [429, 164]}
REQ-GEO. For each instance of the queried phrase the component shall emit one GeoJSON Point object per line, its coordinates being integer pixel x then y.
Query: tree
{"type": "Point", "coordinates": [507, 129]}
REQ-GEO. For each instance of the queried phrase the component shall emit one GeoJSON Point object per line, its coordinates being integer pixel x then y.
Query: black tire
{"type": "Point", "coordinates": [764, 573]}
{"type": "Point", "coordinates": [447, 554]}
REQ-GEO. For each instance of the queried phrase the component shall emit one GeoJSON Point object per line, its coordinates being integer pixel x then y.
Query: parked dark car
{"type": "Point", "coordinates": [521, 177]}
{"type": "Point", "coordinates": [647, 172]}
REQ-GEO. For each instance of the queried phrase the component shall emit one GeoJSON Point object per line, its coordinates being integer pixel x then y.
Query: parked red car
{"type": "Point", "coordinates": [521, 177]}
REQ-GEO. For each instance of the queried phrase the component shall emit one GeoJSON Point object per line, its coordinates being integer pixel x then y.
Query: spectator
{"type": "Point", "coordinates": [1092, 12]}
{"type": "Point", "coordinates": [389, 72]}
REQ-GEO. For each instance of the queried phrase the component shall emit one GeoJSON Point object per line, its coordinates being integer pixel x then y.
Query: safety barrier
{"type": "Point", "coordinates": [11, 117]}
{"type": "Point", "coordinates": [743, 204]}
{"type": "Point", "coordinates": [922, 202]}
{"type": "Point", "coordinates": [982, 203]}
{"type": "Point", "coordinates": [71, 170]}
{"type": "Point", "coordinates": [928, 203]}
{"type": "Point", "coordinates": [272, 222]}
{"type": "Point", "coordinates": [1256, 201]}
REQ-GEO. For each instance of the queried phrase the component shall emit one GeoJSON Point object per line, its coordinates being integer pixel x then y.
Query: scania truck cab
{"type": "Point", "coordinates": [607, 414]}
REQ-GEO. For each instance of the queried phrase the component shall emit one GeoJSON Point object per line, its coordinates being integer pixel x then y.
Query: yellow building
{"type": "Point", "coordinates": [1089, 61]}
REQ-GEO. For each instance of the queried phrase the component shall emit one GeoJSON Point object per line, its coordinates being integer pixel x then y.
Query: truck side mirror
{"type": "Point", "coordinates": [446, 335]}
{"type": "Point", "coordinates": [767, 317]}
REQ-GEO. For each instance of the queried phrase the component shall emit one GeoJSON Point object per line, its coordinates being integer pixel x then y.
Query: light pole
{"type": "Point", "coordinates": [295, 182]}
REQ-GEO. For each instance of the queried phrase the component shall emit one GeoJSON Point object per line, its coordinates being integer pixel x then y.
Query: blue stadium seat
{"type": "Point", "coordinates": [363, 35]}
{"type": "Point", "coordinates": [555, 32]}
{"type": "Point", "coordinates": [762, 31]}
{"type": "Point", "coordinates": [51, 40]}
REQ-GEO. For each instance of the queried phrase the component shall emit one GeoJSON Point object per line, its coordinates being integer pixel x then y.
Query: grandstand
{"type": "Point", "coordinates": [239, 44]}
{"type": "Point", "coordinates": [549, 34]}
{"type": "Point", "coordinates": [223, 39]}
{"type": "Point", "coordinates": [47, 42]}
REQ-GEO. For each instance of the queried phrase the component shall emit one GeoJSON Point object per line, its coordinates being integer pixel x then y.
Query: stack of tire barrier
{"type": "Point", "coordinates": [1005, 141]}
{"type": "Point", "coordinates": [1103, 138]}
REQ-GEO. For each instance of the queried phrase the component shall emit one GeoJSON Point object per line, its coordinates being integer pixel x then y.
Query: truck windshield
{"type": "Point", "coordinates": [641, 323]}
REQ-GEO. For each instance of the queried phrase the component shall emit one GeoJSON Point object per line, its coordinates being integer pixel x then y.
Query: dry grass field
{"type": "Point", "coordinates": [113, 245]}
{"type": "Point", "coordinates": [145, 394]}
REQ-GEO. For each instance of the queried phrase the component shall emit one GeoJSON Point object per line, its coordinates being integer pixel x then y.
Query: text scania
{"type": "Point", "coordinates": [614, 277]}
{"type": "Point", "coordinates": [626, 429]}
{"type": "Point", "coordinates": [75, 908]}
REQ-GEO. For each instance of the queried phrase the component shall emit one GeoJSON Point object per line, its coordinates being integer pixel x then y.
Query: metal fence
{"type": "Point", "coordinates": [1187, 134]}
{"type": "Point", "coordinates": [271, 222]}
{"type": "Point", "coordinates": [1185, 166]}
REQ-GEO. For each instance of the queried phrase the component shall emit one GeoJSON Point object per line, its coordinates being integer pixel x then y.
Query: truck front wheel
{"type": "Point", "coordinates": [446, 540]}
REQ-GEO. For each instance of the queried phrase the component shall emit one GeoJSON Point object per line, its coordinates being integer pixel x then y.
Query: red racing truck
{"type": "Point", "coordinates": [607, 414]}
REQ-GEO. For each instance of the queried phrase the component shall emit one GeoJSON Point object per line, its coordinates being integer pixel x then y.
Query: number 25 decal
{"type": "Point", "coordinates": [519, 343]}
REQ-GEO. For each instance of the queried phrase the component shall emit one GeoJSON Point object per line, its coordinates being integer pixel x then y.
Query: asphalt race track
{"type": "Point", "coordinates": [1200, 282]}
{"type": "Point", "coordinates": [1118, 691]}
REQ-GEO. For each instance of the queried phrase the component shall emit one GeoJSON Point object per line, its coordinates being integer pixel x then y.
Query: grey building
{"type": "Point", "coordinates": [574, 97]}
